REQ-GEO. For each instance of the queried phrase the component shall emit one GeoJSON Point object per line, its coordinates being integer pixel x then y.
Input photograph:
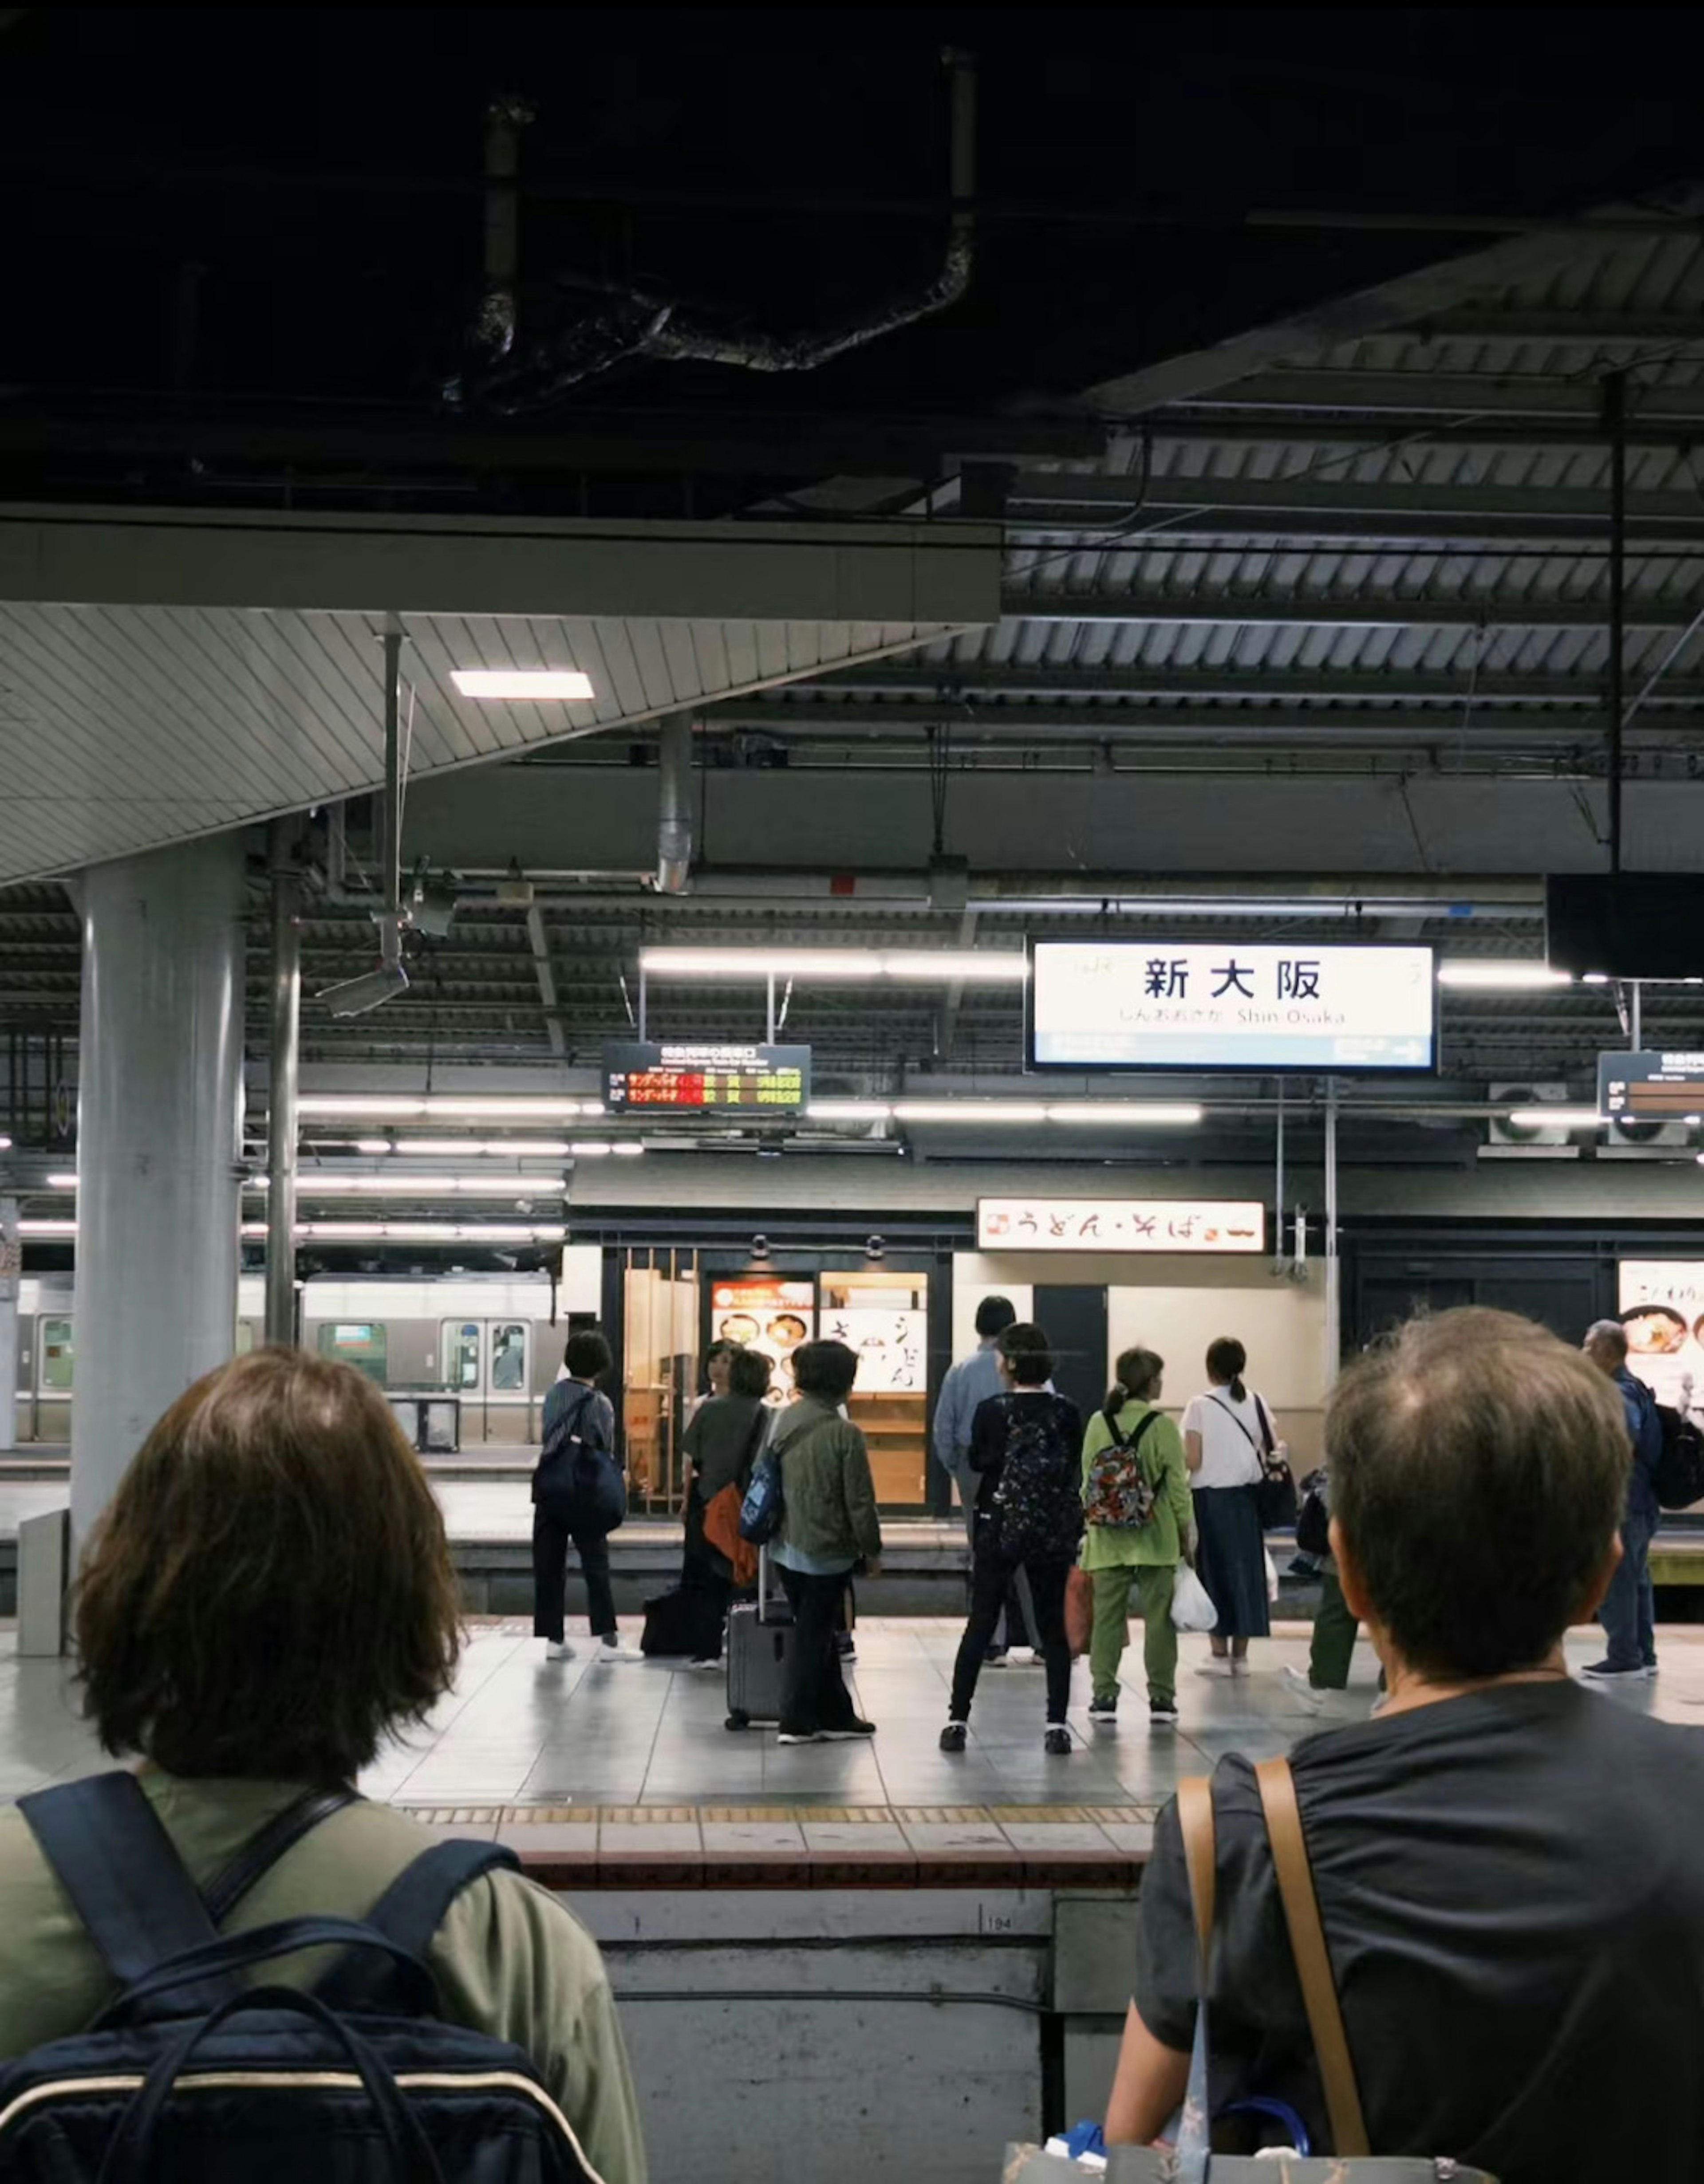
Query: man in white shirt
{"type": "Point", "coordinates": [969, 1383]}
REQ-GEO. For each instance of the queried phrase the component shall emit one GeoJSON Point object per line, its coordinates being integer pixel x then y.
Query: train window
{"type": "Point", "coordinates": [459, 1350]}
{"type": "Point", "coordinates": [245, 1338]}
{"type": "Point", "coordinates": [508, 1357]}
{"type": "Point", "coordinates": [57, 1354]}
{"type": "Point", "coordinates": [360, 1343]}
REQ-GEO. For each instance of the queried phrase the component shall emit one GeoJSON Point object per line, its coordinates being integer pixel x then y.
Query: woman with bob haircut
{"type": "Point", "coordinates": [268, 1598]}
{"type": "Point", "coordinates": [1505, 1860]}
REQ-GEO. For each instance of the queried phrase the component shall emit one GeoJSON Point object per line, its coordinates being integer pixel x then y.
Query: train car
{"type": "Point", "coordinates": [493, 1341]}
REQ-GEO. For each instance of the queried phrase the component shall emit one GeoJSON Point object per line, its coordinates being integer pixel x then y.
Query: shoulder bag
{"type": "Point", "coordinates": [1192, 2161]}
{"type": "Point", "coordinates": [1275, 1489]}
{"type": "Point", "coordinates": [721, 1511]}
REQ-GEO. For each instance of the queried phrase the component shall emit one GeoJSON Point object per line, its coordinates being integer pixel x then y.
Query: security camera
{"type": "Point", "coordinates": [760, 1247]}
{"type": "Point", "coordinates": [875, 1247]}
{"type": "Point", "coordinates": [356, 996]}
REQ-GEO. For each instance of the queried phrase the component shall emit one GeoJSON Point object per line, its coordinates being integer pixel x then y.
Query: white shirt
{"type": "Point", "coordinates": [1229, 1457]}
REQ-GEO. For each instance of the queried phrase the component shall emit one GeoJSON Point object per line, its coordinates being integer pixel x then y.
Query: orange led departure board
{"type": "Point", "coordinates": [706, 1080]}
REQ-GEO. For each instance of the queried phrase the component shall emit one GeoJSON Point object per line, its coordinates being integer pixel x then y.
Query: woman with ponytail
{"type": "Point", "coordinates": [1144, 1555]}
{"type": "Point", "coordinates": [1227, 1434]}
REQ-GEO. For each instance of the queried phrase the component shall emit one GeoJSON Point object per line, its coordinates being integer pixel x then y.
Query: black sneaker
{"type": "Point", "coordinates": [1104, 1709]}
{"type": "Point", "coordinates": [1057, 1743]}
{"type": "Point", "coordinates": [845, 1646]}
{"type": "Point", "coordinates": [995, 1657]}
{"type": "Point", "coordinates": [849, 1733]}
{"type": "Point", "coordinates": [952, 1737]}
{"type": "Point", "coordinates": [1605, 1672]}
{"type": "Point", "coordinates": [1162, 1714]}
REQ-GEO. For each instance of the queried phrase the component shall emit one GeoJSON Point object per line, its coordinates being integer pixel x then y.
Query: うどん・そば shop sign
{"type": "Point", "coordinates": [1120, 1224]}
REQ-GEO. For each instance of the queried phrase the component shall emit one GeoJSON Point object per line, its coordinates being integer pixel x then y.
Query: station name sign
{"type": "Point", "coordinates": [1198, 1005]}
{"type": "Point", "coordinates": [720, 1080]}
{"type": "Point", "coordinates": [1650, 1088]}
{"type": "Point", "coordinates": [1120, 1224]}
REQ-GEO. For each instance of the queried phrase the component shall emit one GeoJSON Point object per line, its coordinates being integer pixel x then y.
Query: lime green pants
{"type": "Point", "coordinates": [1151, 1583]}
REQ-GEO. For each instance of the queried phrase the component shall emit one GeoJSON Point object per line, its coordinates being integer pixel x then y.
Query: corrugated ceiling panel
{"type": "Point", "coordinates": [124, 728]}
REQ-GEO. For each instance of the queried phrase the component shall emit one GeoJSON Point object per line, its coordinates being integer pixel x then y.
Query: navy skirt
{"type": "Point", "coordinates": [1232, 1560]}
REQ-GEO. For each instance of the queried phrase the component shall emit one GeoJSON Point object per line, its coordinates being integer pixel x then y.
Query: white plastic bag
{"type": "Point", "coordinates": [1192, 1605]}
{"type": "Point", "coordinates": [1272, 1580]}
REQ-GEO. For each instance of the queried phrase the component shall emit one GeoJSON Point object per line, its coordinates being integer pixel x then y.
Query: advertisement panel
{"type": "Point", "coordinates": [1189, 1006]}
{"type": "Point", "coordinates": [1661, 1303]}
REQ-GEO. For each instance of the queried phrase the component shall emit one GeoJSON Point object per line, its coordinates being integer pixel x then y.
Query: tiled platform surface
{"type": "Point", "coordinates": [614, 1776]}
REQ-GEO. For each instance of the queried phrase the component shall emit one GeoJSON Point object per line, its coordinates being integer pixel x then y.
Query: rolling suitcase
{"type": "Point", "coordinates": [760, 1637]}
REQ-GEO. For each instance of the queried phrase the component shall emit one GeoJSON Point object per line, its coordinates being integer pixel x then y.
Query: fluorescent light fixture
{"type": "Point", "coordinates": [430, 1232]}
{"type": "Point", "coordinates": [497, 1107]}
{"type": "Point", "coordinates": [969, 1110]}
{"type": "Point", "coordinates": [629, 1151]}
{"type": "Point", "coordinates": [589, 1149]}
{"type": "Point", "coordinates": [473, 1148]}
{"type": "Point", "coordinates": [1593, 978]}
{"type": "Point", "coordinates": [66, 1180]}
{"type": "Point", "coordinates": [1119, 1114]}
{"type": "Point", "coordinates": [950, 965]}
{"type": "Point", "coordinates": [315, 1183]}
{"type": "Point", "coordinates": [501, 1108]}
{"type": "Point", "coordinates": [5, 1144]}
{"type": "Point", "coordinates": [561, 684]}
{"type": "Point", "coordinates": [1513, 977]}
{"type": "Point", "coordinates": [375, 1145]}
{"type": "Point", "coordinates": [849, 1111]}
{"type": "Point", "coordinates": [1555, 1119]}
{"type": "Point", "coordinates": [47, 1227]}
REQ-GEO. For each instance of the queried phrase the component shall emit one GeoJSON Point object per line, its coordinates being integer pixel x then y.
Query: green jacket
{"type": "Point", "coordinates": [1160, 1541]}
{"type": "Point", "coordinates": [826, 1486]}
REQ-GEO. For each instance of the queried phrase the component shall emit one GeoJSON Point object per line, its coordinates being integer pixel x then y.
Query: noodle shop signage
{"type": "Point", "coordinates": [1120, 1224]}
{"type": "Point", "coordinates": [1662, 1310]}
{"type": "Point", "coordinates": [649, 1080]}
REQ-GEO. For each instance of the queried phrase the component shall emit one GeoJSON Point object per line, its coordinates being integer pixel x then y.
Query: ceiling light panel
{"type": "Point", "coordinates": [533, 685]}
{"type": "Point", "coordinates": [1513, 977]}
{"type": "Point", "coordinates": [944, 966]}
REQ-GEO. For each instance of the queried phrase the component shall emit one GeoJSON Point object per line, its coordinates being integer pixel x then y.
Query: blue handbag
{"type": "Point", "coordinates": [765, 1506]}
{"type": "Point", "coordinates": [579, 1477]}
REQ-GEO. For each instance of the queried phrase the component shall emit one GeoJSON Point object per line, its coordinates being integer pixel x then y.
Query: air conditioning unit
{"type": "Point", "coordinates": [1650, 1137]}
{"type": "Point", "coordinates": [1510, 1141]}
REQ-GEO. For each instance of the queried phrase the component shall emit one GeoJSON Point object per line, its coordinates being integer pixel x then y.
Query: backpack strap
{"type": "Point", "coordinates": [115, 1861]}
{"type": "Point", "coordinates": [281, 1834]}
{"type": "Point", "coordinates": [412, 1910]}
{"type": "Point", "coordinates": [1278, 1787]}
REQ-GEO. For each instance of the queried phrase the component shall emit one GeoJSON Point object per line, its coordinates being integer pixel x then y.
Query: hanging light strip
{"type": "Point", "coordinates": [943, 965]}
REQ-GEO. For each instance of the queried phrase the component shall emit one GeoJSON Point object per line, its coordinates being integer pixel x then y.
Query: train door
{"type": "Point", "coordinates": [488, 1364]}
{"type": "Point", "coordinates": [55, 1367]}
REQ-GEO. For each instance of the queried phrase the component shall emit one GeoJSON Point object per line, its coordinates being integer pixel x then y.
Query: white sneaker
{"type": "Point", "coordinates": [611, 1649]}
{"type": "Point", "coordinates": [1024, 1657]}
{"type": "Point", "coordinates": [1239, 1664]}
{"type": "Point", "coordinates": [558, 1650]}
{"type": "Point", "coordinates": [1216, 1664]}
{"type": "Point", "coordinates": [1302, 1689]}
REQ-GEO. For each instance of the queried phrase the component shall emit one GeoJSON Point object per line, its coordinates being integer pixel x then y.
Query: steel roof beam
{"type": "Point", "coordinates": [1468, 394]}
{"type": "Point", "coordinates": [1470, 610]}
{"type": "Point", "coordinates": [1683, 512]}
{"type": "Point", "coordinates": [1306, 685]}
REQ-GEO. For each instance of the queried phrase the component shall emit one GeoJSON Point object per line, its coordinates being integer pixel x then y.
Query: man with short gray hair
{"type": "Point", "coordinates": [1629, 1613]}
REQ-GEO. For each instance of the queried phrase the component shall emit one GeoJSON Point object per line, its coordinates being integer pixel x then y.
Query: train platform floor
{"type": "Point", "coordinates": [612, 1773]}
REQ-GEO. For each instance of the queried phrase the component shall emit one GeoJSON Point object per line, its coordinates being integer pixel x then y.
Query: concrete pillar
{"type": "Point", "coordinates": [11, 1261]}
{"type": "Point", "coordinates": [159, 1144]}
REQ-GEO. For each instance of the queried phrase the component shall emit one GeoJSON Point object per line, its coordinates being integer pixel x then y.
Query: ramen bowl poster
{"type": "Point", "coordinates": [1662, 1310]}
{"type": "Point", "coordinates": [774, 1316]}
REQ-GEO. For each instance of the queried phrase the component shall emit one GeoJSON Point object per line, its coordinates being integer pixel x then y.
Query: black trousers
{"type": "Point", "coordinates": [553, 1532]}
{"type": "Point", "coordinates": [707, 1584]}
{"type": "Point", "coordinates": [991, 1572]}
{"type": "Point", "coordinates": [813, 1694]}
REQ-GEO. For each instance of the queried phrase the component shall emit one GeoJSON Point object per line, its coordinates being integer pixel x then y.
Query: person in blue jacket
{"type": "Point", "coordinates": [1629, 1613]}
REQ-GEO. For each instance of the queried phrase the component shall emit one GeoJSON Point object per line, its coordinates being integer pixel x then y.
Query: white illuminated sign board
{"type": "Point", "coordinates": [1120, 1224]}
{"type": "Point", "coordinates": [1662, 1310]}
{"type": "Point", "coordinates": [1223, 1005]}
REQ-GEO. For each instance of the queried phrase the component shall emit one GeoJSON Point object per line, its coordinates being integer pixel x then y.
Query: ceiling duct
{"type": "Point", "coordinates": [674, 806]}
{"type": "Point", "coordinates": [628, 323]}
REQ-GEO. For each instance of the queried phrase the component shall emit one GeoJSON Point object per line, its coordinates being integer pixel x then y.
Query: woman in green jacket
{"type": "Point", "coordinates": [1148, 1555]}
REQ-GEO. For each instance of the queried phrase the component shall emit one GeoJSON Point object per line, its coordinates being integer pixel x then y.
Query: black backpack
{"type": "Point", "coordinates": [577, 1474]}
{"type": "Point", "coordinates": [1038, 1498]}
{"type": "Point", "coordinates": [1677, 1474]}
{"type": "Point", "coordinates": [191, 2073]}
